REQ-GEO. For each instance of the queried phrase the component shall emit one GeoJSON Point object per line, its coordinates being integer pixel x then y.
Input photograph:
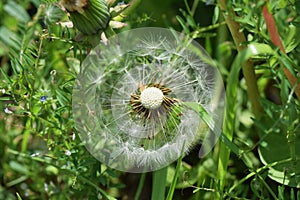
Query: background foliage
{"type": "Point", "coordinates": [41, 156]}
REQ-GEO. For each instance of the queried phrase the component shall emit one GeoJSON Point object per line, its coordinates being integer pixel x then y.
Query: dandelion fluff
{"type": "Point", "coordinates": [128, 100]}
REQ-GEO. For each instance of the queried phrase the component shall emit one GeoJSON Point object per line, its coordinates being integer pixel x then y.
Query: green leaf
{"type": "Point", "coordinates": [190, 21]}
{"type": "Point", "coordinates": [252, 49]}
{"type": "Point", "coordinates": [216, 15]}
{"type": "Point", "coordinates": [204, 115]}
{"type": "Point", "coordinates": [183, 24]}
{"type": "Point", "coordinates": [18, 196]}
{"type": "Point", "coordinates": [289, 64]}
{"type": "Point", "coordinates": [292, 40]}
{"type": "Point", "coordinates": [9, 38]}
{"type": "Point", "coordinates": [18, 167]}
{"type": "Point", "coordinates": [5, 98]}
{"type": "Point", "coordinates": [62, 98]}
{"type": "Point", "coordinates": [159, 184]}
{"type": "Point", "coordinates": [17, 11]}
{"type": "Point", "coordinates": [5, 76]}
{"type": "Point", "coordinates": [276, 148]}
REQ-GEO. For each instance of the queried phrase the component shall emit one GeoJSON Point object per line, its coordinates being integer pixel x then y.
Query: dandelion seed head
{"type": "Point", "coordinates": [136, 86]}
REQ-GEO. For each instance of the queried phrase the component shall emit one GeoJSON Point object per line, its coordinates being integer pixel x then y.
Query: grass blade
{"type": "Point", "coordinates": [174, 182]}
{"type": "Point", "coordinates": [140, 186]}
{"type": "Point", "coordinates": [159, 184]}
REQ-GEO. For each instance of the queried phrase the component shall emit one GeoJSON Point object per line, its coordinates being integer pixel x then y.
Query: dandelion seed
{"type": "Point", "coordinates": [7, 111]}
{"type": "Point", "coordinates": [137, 87]}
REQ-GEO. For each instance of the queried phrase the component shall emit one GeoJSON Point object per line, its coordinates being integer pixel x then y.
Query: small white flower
{"type": "Point", "coordinates": [68, 153]}
{"type": "Point", "coordinates": [137, 85]}
{"type": "Point", "coordinates": [46, 187]}
{"type": "Point", "coordinates": [73, 136]}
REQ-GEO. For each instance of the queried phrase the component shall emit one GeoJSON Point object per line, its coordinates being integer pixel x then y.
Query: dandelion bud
{"type": "Point", "coordinates": [88, 16]}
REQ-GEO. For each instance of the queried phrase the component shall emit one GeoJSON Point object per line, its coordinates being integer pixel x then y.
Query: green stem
{"type": "Point", "coordinates": [109, 32]}
{"type": "Point", "coordinates": [248, 68]}
{"type": "Point", "coordinates": [174, 182]}
{"type": "Point", "coordinates": [252, 90]}
{"type": "Point", "coordinates": [194, 7]}
{"type": "Point", "coordinates": [132, 6]}
{"type": "Point", "coordinates": [26, 135]}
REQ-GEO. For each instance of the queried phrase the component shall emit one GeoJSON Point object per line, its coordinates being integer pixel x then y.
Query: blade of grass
{"type": "Point", "coordinates": [216, 130]}
{"type": "Point", "coordinates": [159, 184]}
{"type": "Point", "coordinates": [247, 66]}
{"type": "Point", "coordinates": [257, 171]}
{"type": "Point", "coordinates": [231, 97]}
{"type": "Point", "coordinates": [174, 181]}
{"type": "Point", "coordinates": [64, 171]}
{"type": "Point", "coordinates": [26, 136]}
{"type": "Point", "coordinates": [140, 186]}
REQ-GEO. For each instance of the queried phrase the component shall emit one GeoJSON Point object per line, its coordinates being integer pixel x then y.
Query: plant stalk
{"type": "Point", "coordinates": [275, 38]}
{"type": "Point", "coordinates": [252, 91]}
{"type": "Point", "coordinates": [248, 68]}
